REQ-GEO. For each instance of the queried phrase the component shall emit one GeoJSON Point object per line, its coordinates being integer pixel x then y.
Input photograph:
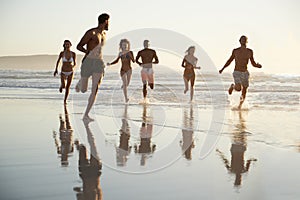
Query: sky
{"type": "Point", "coordinates": [30, 27]}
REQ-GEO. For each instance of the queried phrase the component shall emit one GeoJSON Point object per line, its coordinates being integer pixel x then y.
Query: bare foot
{"type": "Point", "coordinates": [87, 118]}
{"type": "Point", "coordinates": [185, 91]}
{"type": "Point", "coordinates": [241, 102]}
{"type": "Point", "coordinates": [231, 89]}
{"type": "Point", "coordinates": [60, 89]}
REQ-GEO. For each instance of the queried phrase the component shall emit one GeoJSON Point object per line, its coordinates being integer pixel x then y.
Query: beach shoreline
{"type": "Point", "coordinates": [29, 152]}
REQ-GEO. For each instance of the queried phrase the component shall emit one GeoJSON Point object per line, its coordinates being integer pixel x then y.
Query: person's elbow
{"type": "Point", "coordinates": [79, 47]}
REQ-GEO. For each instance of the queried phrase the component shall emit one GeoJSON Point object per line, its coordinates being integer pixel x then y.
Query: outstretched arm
{"type": "Point", "coordinates": [249, 162]}
{"type": "Point", "coordinates": [228, 62]}
{"type": "Point", "coordinates": [257, 65]}
{"type": "Point", "coordinates": [115, 61]}
{"type": "Point", "coordinates": [57, 63]}
{"type": "Point", "coordinates": [225, 160]}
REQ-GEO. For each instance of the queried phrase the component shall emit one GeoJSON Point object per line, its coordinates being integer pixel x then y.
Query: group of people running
{"type": "Point", "coordinates": [93, 65]}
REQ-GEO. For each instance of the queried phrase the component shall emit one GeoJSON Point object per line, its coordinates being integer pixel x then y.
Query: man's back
{"type": "Point", "coordinates": [147, 55]}
{"type": "Point", "coordinates": [242, 56]}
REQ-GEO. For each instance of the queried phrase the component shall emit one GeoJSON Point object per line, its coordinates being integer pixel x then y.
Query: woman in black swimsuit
{"type": "Point", "coordinates": [126, 57]}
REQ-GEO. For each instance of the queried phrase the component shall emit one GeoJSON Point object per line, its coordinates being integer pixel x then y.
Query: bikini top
{"type": "Point", "coordinates": [64, 59]}
{"type": "Point", "coordinates": [125, 55]}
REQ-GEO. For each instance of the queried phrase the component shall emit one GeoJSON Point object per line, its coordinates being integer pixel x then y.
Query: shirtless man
{"type": "Point", "coordinates": [147, 73]}
{"type": "Point", "coordinates": [241, 55]}
{"type": "Point", "coordinates": [92, 64]}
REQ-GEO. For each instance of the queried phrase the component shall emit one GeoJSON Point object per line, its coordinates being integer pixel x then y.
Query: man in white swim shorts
{"type": "Point", "coordinates": [149, 58]}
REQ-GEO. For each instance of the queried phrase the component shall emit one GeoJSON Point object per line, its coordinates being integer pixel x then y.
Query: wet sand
{"type": "Point", "coordinates": [48, 152]}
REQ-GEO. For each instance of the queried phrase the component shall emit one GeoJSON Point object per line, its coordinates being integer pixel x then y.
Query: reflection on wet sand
{"type": "Point", "coordinates": [145, 148]}
{"type": "Point", "coordinates": [124, 149]}
{"type": "Point", "coordinates": [89, 169]}
{"type": "Point", "coordinates": [64, 144]}
{"type": "Point", "coordinates": [187, 142]}
{"type": "Point", "coordinates": [238, 149]}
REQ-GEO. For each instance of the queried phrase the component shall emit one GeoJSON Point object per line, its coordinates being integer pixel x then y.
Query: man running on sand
{"type": "Point", "coordinates": [241, 55]}
{"type": "Point", "coordinates": [92, 63]}
{"type": "Point", "coordinates": [147, 73]}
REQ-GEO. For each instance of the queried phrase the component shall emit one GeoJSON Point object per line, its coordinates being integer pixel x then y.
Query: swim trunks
{"type": "Point", "coordinates": [241, 78]}
{"type": "Point", "coordinates": [90, 66]}
{"type": "Point", "coordinates": [147, 75]}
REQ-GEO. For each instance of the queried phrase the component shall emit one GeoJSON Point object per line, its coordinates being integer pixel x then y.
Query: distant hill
{"type": "Point", "coordinates": [37, 62]}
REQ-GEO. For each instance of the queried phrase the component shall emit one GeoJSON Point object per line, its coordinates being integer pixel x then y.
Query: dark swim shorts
{"type": "Point", "coordinates": [90, 66]}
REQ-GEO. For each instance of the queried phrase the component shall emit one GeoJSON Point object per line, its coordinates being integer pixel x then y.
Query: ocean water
{"type": "Point", "coordinates": [162, 140]}
{"type": "Point", "coordinates": [266, 91]}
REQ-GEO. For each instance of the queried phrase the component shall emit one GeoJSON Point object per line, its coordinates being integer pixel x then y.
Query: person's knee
{"type": "Point", "coordinates": [238, 87]}
{"type": "Point", "coordinates": [244, 91]}
{"type": "Point", "coordinates": [151, 85]}
{"type": "Point", "coordinates": [83, 90]}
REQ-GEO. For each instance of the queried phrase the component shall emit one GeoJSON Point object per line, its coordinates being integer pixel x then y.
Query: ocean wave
{"type": "Point", "coordinates": [268, 90]}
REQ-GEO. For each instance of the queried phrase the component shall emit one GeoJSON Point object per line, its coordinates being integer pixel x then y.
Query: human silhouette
{"type": "Point", "coordinates": [126, 57]}
{"type": "Point", "coordinates": [64, 139]}
{"type": "Point", "coordinates": [145, 148]}
{"type": "Point", "coordinates": [124, 148]}
{"type": "Point", "coordinates": [89, 169]}
{"type": "Point", "coordinates": [189, 63]}
{"type": "Point", "coordinates": [187, 143]}
{"type": "Point", "coordinates": [241, 55]}
{"type": "Point", "coordinates": [92, 64]}
{"type": "Point", "coordinates": [238, 148]}
{"type": "Point", "coordinates": [149, 58]}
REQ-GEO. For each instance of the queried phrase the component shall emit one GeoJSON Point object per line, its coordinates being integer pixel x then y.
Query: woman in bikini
{"type": "Point", "coordinates": [189, 63]}
{"type": "Point", "coordinates": [126, 57]}
{"type": "Point", "coordinates": [68, 63]}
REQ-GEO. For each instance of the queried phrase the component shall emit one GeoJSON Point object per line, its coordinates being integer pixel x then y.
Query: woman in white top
{"type": "Point", "coordinates": [68, 63]}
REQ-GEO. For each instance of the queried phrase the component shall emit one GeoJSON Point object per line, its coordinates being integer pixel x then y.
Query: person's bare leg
{"type": "Point", "coordinates": [145, 90]}
{"type": "Point", "coordinates": [62, 82]}
{"type": "Point", "coordinates": [125, 81]}
{"type": "Point", "coordinates": [238, 87]}
{"type": "Point", "coordinates": [192, 88]}
{"type": "Point", "coordinates": [128, 76]}
{"type": "Point", "coordinates": [192, 93]}
{"type": "Point", "coordinates": [231, 88]}
{"type": "Point", "coordinates": [83, 86]}
{"type": "Point", "coordinates": [96, 80]}
{"type": "Point", "coordinates": [243, 96]}
{"type": "Point", "coordinates": [69, 81]}
{"type": "Point", "coordinates": [186, 85]}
